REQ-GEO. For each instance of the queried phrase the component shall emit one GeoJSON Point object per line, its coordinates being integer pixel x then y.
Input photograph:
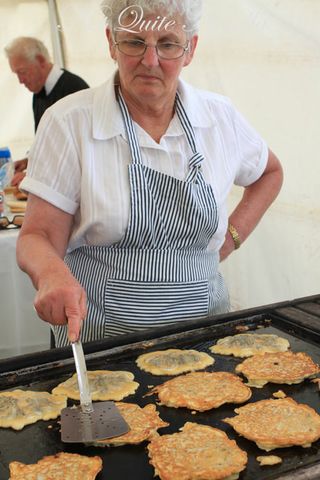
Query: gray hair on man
{"type": "Point", "coordinates": [28, 48]}
{"type": "Point", "coordinates": [190, 11]}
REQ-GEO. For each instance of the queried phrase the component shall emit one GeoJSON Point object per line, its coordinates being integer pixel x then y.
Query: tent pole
{"type": "Point", "coordinates": [56, 34]}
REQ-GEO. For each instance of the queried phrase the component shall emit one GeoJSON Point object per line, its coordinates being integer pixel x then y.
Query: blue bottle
{"type": "Point", "coordinates": [5, 156]}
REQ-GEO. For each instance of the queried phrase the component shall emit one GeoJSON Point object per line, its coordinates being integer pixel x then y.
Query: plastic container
{"type": "Point", "coordinates": [5, 156]}
{"type": "Point", "coordinates": [6, 166]}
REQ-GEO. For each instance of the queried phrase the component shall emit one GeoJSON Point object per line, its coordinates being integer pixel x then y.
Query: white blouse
{"type": "Point", "coordinates": [79, 159]}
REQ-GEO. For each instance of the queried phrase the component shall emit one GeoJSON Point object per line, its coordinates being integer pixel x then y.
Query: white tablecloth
{"type": "Point", "coordinates": [21, 331]}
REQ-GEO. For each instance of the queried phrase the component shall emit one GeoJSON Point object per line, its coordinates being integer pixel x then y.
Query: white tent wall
{"type": "Point", "coordinates": [265, 55]}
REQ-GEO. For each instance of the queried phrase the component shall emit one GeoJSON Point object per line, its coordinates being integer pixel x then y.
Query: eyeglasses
{"type": "Point", "coordinates": [165, 50]}
{"type": "Point", "coordinates": [16, 222]}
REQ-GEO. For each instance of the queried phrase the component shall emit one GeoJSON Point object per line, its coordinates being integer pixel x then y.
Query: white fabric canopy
{"type": "Point", "coordinates": [265, 55]}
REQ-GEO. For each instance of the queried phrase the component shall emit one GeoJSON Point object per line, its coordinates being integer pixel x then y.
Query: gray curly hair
{"type": "Point", "coordinates": [190, 10]}
{"type": "Point", "coordinates": [28, 48]}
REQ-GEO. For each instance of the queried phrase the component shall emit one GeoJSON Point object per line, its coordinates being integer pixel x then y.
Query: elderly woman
{"type": "Point", "coordinates": [128, 182]}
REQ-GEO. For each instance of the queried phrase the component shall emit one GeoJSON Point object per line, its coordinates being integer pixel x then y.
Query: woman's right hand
{"type": "Point", "coordinates": [61, 300]}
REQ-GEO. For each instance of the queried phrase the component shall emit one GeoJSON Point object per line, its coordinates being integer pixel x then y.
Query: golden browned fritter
{"type": "Point", "coordinates": [281, 367]}
{"type": "Point", "coordinates": [266, 460]}
{"type": "Point", "coordinates": [279, 394]}
{"type": "Point", "coordinates": [103, 384]}
{"type": "Point", "coordinates": [62, 466]}
{"type": "Point", "coordinates": [277, 423]}
{"type": "Point", "coordinates": [202, 390]}
{"type": "Point", "coordinates": [197, 452]}
{"type": "Point", "coordinates": [247, 344]}
{"type": "Point", "coordinates": [23, 407]}
{"type": "Point", "coordinates": [173, 361]}
{"type": "Point", "coordinates": [143, 422]}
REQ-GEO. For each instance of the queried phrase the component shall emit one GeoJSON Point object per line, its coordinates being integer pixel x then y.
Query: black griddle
{"type": "Point", "coordinates": [298, 321]}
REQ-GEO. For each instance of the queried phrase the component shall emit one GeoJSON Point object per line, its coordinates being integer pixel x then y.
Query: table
{"type": "Point", "coordinates": [21, 330]}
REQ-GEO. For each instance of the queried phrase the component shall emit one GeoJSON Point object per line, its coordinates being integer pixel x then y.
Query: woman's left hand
{"type": "Point", "coordinates": [227, 247]}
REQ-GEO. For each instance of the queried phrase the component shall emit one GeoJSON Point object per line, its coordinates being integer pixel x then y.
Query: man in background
{"type": "Point", "coordinates": [29, 59]}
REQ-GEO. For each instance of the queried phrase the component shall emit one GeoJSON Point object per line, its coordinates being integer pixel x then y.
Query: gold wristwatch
{"type": "Point", "coordinates": [235, 236]}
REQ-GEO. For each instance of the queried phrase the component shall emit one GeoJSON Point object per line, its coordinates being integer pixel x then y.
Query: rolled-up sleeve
{"type": "Point", "coordinates": [253, 152]}
{"type": "Point", "coordinates": [54, 167]}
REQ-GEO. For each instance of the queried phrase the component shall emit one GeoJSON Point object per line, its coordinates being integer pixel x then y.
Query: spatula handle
{"type": "Point", "coordinates": [85, 396]}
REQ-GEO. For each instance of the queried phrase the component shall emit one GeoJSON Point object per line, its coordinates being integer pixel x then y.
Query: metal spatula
{"type": "Point", "coordinates": [89, 421]}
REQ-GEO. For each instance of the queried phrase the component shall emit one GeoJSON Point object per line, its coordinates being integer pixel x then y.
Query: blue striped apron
{"type": "Point", "coordinates": [160, 272]}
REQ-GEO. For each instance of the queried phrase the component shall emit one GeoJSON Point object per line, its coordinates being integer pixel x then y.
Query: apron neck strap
{"type": "Point", "coordinates": [185, 123]}
{"type": "Point", "coordinates": [194, 175]}
{"type": "Point", "coordinates": [195, 160]}
{"type": "Point", "coordinates": [131, 131]}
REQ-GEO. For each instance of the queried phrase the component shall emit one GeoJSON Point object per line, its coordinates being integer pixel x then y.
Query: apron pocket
{"type": "Point", "coordinates": [137, 305]}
